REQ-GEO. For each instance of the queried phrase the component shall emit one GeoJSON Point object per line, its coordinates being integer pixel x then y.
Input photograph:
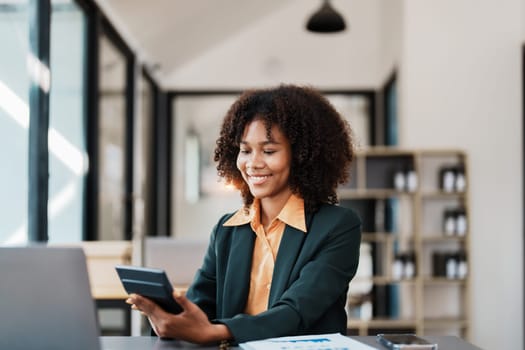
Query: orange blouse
{"type": "Point", "coordinates": [266, 247]}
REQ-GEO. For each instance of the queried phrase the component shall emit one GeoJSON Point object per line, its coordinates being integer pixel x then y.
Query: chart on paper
{"type": "Point", "coordinates": [334, 341]}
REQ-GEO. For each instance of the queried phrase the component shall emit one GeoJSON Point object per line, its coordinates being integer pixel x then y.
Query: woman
{"type": "Point", "coordinates": [280, 265]}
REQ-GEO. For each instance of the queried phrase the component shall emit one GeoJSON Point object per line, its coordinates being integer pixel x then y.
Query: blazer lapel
{"type": "Point", "coordinates": [237, 279]}
{"type": "Point", "coordinates": [289, 249]}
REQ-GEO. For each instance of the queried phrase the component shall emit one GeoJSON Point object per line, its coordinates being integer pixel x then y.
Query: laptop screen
{"type": "Point", "coordinates": [45, 300]}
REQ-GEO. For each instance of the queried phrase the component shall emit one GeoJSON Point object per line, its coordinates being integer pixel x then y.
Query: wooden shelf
{"type": "Point", "coordinates": [441, 237]}
{"type": "Point", "coordinates": [381, 280]}
{"type": "Point", "coordinates": [417, 218]}
{"type": "Point", "coordinates": [445, 322]}
{"type": "Point", "coordinates": [382, 323]}
{"type": "Point", "coordinates": [381, 151]}
{"type": "Point", "coordinates": [349, 193]}
{"type": "Point", "coordinates": [441, 195]}
{"type": "Point", "coordinates": [363, 327]}
{"type": "Point", "coordinates": [378, 236]}
{"type": "Point", "coordinates": [442, 153]}
{"type": "Point", "coordinates": [443, 281]}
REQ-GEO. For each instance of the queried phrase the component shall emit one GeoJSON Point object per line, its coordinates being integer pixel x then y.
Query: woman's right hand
{"type": "Point", "coordinates": [191, 324]}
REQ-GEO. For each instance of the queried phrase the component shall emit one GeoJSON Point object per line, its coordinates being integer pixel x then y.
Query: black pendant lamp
{"type": "Point", "coordinates": [326, 20]}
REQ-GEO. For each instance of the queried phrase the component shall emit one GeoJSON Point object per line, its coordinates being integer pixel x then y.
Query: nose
{"type": "Point", "coordinates": [255, 161]}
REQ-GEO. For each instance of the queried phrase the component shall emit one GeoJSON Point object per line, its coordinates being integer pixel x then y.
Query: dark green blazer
{"type": "Point", "coordinates": [310, 279]}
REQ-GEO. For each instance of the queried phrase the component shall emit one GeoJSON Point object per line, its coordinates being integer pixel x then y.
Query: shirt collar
{"type": "Point", "coordinates": [292, 214]}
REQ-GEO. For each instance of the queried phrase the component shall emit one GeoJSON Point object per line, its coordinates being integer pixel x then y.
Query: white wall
{"type": "Point", "coordinates": [460, 87]}
{"type": "Point", "coordinates": [391, 19]}
{"type": "Point", "coordinates": [277, 48]}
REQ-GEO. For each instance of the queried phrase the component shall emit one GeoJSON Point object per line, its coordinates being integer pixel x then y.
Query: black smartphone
{"type": "Point", "coordinates": [405, 342]}
{"type": "Point", "coordinates": [150, 283]}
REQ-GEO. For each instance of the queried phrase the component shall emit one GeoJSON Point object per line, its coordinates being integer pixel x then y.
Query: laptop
{"type": "Point", "coordinates": [45, 300]}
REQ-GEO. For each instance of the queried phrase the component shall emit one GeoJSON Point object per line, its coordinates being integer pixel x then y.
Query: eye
{"type": "Point", "coordinates": [269, 151]}
{"type": "Point", "coordinates": [244, 151]}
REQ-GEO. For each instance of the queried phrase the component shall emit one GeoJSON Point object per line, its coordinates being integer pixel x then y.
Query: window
{"type": "Point", "coordinates": [112, 142]}
{"type": "Point", "coordinates": [67, 146]}
{"type": "Point", "coordinates": [14, 121]}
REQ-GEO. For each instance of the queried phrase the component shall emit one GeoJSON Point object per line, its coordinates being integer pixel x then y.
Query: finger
{"type": "Point", "coordinates": [144, 304]}
{"type": "Point", "coordinates": [184, 302]}
{"type": "Point", "coordinates": [132, 298]}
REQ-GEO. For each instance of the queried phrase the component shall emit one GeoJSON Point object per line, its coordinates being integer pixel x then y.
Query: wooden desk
{"type": "Point", "coordinates": [114, 298]}
{"type": "Point", "coordinates": [101, 258]}
{"type": "Point", "coordinates": [106, 289]}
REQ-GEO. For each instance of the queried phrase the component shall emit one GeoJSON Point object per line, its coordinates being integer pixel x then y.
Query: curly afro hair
{"type": "Point", "coordinates": [321, 141]}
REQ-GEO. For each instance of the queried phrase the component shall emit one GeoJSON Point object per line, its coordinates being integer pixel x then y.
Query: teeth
{"type": "Point", "coordinates": [258, 180]}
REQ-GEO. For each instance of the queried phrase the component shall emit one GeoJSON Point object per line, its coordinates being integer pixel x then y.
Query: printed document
{"type": "Point", "coordinates": [333, 341]}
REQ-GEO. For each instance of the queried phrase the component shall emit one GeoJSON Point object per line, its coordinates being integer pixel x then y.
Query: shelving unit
{"type": "Point", "coordinates": [397, 220]}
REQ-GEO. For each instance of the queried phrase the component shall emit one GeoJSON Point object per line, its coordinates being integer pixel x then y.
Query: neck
{"type": "Point", "coordinates": [271, 207]}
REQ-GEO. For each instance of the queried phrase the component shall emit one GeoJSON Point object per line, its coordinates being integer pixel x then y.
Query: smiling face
{"type": "Point", "coordinates": [265, 163]}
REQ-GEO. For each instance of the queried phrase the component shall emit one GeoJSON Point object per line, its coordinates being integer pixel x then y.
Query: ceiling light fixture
{"type": "Point", "coordinates": [326, 20]}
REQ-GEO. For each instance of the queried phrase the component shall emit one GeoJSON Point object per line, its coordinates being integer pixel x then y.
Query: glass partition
{"type": "Point", "coordinates": [198, 197]}
{"type": "Point", "coordinates": [14, 121]}
{"type": "Point", "coordinates": [196, 121]}
{"type": "Point", "coordinates": [67, 146]}
{"type": "Point", "coordinates": [355, 109]}
{"type": "Point", "coordinates": [143, 159]}
{"type": "Point", "coordinates": [111, 140]}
